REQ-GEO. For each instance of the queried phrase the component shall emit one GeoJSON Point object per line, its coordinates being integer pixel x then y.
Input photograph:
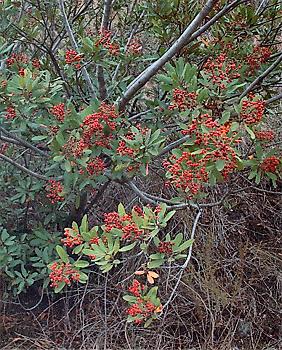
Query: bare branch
{"type": "Point", "coordinates": [100, 72]}
{"type": "Point", "coordinates": [106, 14]}
{"type": "Point", "coordinates": [189, 255]}
{"type": "Point", "coordinates": [75, 45]}
{"type": "Point", "coordinates": [23, 168]}
{"type": "Point", "coordinates": [274, 98]}
{"type": "Point", "coordinates": [188, 35]}
{"type": "Point", "coordinates": [261, 77]}
{"type": "Point", "coordinates": [22, 142]}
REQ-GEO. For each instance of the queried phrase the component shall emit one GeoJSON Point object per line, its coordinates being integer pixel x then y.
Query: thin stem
{"type": "Point", "coordinates": [23, 142]}
{"type": "Point", "coordinates": [75, 45]}
{"type": "Point", "coordinates": [189, 255]}
{"type": "Point", "coordinates": [23, 168]}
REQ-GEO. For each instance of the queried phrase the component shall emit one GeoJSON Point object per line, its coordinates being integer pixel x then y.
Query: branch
{"type": "Point", "coordinates": [172, 205]}
{"type": "Point", "coordinates": [215, 18]}
{"type": "Point", "coordinates": [188, 35]}
{"type": "Point", "coordinates": [189, 255]}
{"type": "Point", "coordinates": [75, 45]}
{"type": "Point", "coordinates": [274, 98]}
{"type": "Point", "coordinates": [99, 193]}
{"type": "Point", "coordinates": [141, 194]}
{"type": "Point", "coordinates": [261, 77]}
{"type": "Point", "coordinates": [100, 72]}
{"type": "Point", "coordinates": [132, 33]}
{"type": "Point", "coordinates": [106, 14]}
{"type": "Point", "coordinates": [21, 167]}
{"type": "Point", "coordinates": [173, 145]}
{"type": "Point", "coordinates": [22, 142]}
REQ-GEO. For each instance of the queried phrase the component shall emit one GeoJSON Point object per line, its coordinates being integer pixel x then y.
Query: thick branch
{"type": "Point", "coordinates": [188, 35]}
{"type": "Point", "coordinates": [75, 45]}
{"type": "Point", "coordinates": [106, 14]}
{"type": "Point", "coordinates": [100, 72]}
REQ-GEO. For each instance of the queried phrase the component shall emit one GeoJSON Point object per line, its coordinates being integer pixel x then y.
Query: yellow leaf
{"type": "Point", "coordinates": [150, 279]}
{"type": "Point", "coordinates": [153, 274]}
{"type": "Point", "coordinates": [139, 272]}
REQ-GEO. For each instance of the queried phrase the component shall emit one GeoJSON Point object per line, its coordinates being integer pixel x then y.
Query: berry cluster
{"type": "Point", "coordinates": [72, 237]}
{"type": "Point", "coordinates": [36, 63]}
{"type": "Point", "coordinates": [252, 111]}
{"type": "Point", "coordinates": [3, 148]}
{"type": "Point", "coordinates": [222, 70]}
{"type": "Point", "coordinates": [142, 309]}
{"type": "Point", "coordinates": [17, 58]}
{"type": "Point", "coordinates": [265, 135]}
{"type": "Point", "coordinates": [135, 47]}
{"type": "Point", "coordinates": [62, 272]}
{"type": "Point", "coordinates": [136, 288]}
{"type": "Point", "coordinates": [96, 130]}
{"type": "Point", "coordinates": [95, 167]}
{"type": "Point", "coordinates": [183, 100]}
{"type": "Point", "coordinates": [106, 42]}
{"type": "Point", "coordinates": [259, 56]}
{"type": "Point", "coordinates": [54, 189]}
{"type": "Point", "coordinates": [73, 58]}
{"type": "Point", "coordinates": [58, 111]}
{"type": "Point", "coordinates": [10, 113]}
{"type": "Point", "coordinates": [124, 150]}
{"type": "Point", "coordinates": [270, 164]}
{"type": "Point", "coordinates": [187, 170]}
{"type": "Point", "coordinates": [97, 127]}
{"type": "Point", "coordinates": [165, 247]}
{"type": "Point", "coordinates": [125, 224]}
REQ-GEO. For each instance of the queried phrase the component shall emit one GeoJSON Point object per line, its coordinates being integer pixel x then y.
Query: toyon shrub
{"type": "Point", "coordinates": [91, 102]}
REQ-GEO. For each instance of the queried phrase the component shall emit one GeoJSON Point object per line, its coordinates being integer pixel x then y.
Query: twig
{"type": "Point", "coordinates": [173, 145]}
{"type": "Point", "coordinates": [23, 142]}
{"type": "Point", "coordinates": [189, 255]}
{"type": "Point", "coordinates": [23, 168]}
{"type": "Point", "coordinates": [274, 98]}
{"type": "Point", "coordinates": [97, 196]}
{"type": "Point", "coordinates": [261, 77]}
{"type": "Point", "coordinates": [75, 45]}
{"type": "Point", "coordinates": [133, 31]}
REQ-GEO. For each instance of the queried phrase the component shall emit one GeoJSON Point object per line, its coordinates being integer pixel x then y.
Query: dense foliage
{"type": "Point", "coordinates": [77, 116]}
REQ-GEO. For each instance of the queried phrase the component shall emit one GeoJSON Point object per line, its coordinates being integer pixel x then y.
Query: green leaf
{"type": "Point", "coordinates": [178, 239]}
{"type": "Point", "coordinates": [68, 166]}
{"type": "Point", "coordinates": [169, 216]}
{"type": "Point", "coordinates": [81, 264]}
{"type": "Point", "coordinates": [250, 132]}
{"type": "Point", "coordinates": [129, 298]}
{"type": "Point", "coordinates": [121, 210]}
{"type": "Point", "coordinates": [155, 263]}
{"type": "Point", "coordinates": [62, 254]}
{"type": "Point", "coordinates": [84, 224]}
{"type": "Point", "coordinates": [225, 117]}
{"type": "Point", "coordinates": [219, 164]}
{"type": "Point", "coordinates": [127, 247]}
{"type": "Point", "coordinates": [184, 245]}
{"type": "Point", "coordinates": [82, 277]}
{"type": "Point", "coordinates": [60, 287]}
